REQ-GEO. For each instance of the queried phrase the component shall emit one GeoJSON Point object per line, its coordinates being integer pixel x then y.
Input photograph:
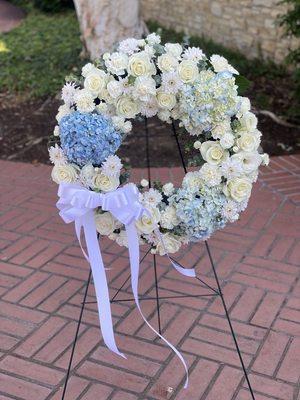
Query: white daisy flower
{"type": "Point", "coordinates": [151, 198]}
{"type": "Point", "coordinates": [57, 156]}
{"type": "Point", "coordinates": [112, 166]}
{"type": "Point", "coordinates": [171, 82]}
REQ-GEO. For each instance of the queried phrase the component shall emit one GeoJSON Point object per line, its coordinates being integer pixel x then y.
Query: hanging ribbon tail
{"type": "Point", "coordinates": [134, 256]}
{"type": "Point", "coordinates": [100, 281]}
{"type": "Point", "coordinates": [190, 272]}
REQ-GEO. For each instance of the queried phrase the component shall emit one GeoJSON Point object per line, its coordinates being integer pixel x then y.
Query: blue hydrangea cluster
{"type": "Point", "coordinates": [88, 138]}
{"type": "Point", "coordinates": [208, 101]}
{"type": "Point", "coordinates": [200, 212]}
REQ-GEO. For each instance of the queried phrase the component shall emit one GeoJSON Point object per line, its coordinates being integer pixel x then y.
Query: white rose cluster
{"type": "Point", "coordinates": [147, 78]}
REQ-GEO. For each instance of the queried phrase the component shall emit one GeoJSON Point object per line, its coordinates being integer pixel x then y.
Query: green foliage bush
{"type": "Point", "coordinates": [291, 23]}
{"type": "Point", "coordinates": [36, 56]}
{"type": "Point", "coordinates": [53, 6]}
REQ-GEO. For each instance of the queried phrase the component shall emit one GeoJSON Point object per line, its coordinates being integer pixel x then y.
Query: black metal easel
{"type": "Point", "coordinates": [215, 291]}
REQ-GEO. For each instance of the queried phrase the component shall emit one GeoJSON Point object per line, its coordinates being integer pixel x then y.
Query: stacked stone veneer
{"type": "Point", "coordinates": [247, 25]}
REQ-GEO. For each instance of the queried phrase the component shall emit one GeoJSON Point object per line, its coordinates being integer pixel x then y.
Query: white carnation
{"type": "Point", "coordinates": [227, 141]}
{"type": "Point", "coordinates": [149, 108]}
{"type": "Point", "coordinates": [84, 101]}
{"type": "Point", "coordinates": [232, 168]}
{"type": "Point", "coordinates": [169, 244]}
{"type": "Point", "coordinates": [192, 181]}
{"type": "Point", "coordinates": [117, 63]}
{"type": "Point", "coordinates": [167, 62]}
{"type": "Point", "coordinates": [153, 39]}
{"type": "Point", "coordinates": [168, 189]}
{"type": "Point", "coordinates": [87, 68]}
{"type": "Point", "coordinates": [210, 174]}
{"type": "Point", "coordinates": [144, 88]}
{"type": "Point", "coordinates": [174, 48]}
{"type": "Point", "coordinates": [115, 89]}
{"type": "Point", "coordinates": [230, 211]}
{"type": "Point", "coordinates": [62, 112]}
{"type": "Point", "coordinates": [169, 219]}
{"type": "Point", "coordinates": [86, 175]}
{"type": "Point", "coordinates": [129, 46]}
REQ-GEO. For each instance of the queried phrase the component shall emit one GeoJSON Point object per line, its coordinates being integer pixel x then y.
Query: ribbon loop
{"type": "Point", "coordinates": [77, 204]}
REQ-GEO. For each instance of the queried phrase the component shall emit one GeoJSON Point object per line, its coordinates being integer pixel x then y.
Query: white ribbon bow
{"type": "Point", "coordinates": [77, 204]}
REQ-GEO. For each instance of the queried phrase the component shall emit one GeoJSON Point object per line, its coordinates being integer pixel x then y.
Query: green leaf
{"type": "Point", "coordinates": [242, 83]}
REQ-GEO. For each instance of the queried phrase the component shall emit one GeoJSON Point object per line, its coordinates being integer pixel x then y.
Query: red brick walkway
{"type": "Point", "coordinates": [42, 277]}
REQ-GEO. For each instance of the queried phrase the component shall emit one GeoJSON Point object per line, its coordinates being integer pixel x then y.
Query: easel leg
{"type": "Point", "coordinates": [76, 335]}
{"type": "Point", "coordinates": [229, 321]}
{"type": "Point", "coordinates": [157, 294]}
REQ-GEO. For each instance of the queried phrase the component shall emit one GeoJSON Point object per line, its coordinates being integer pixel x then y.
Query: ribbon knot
{"type": "Point", "coordinates": [77, 204]}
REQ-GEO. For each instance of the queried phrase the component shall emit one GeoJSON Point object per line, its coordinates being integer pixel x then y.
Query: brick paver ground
{"type": "Point", "coordinates": [42, 278]}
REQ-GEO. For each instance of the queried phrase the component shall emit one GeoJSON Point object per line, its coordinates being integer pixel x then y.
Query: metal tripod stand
{"type": "Point", "coordinates": [217, 292]}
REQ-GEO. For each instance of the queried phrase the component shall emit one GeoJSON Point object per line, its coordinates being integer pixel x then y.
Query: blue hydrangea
{"type": "Point", "coordinates": [88, 138]}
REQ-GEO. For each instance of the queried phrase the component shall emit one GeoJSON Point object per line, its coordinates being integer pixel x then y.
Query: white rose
{"type": "Point", "coordinates": [227, 141]}
{"type": "Point", "coordinates": [239, 189]}
{"type": "Point", "coordinates": [64, 174]}
{"type": "Point", "coordinates": [169, 218]}
{"type": "Point", "coordinates": [117, 63]}
{"type": "Point", "coordinates": [127, 107]}
{"type": "Point", "coordinates": [140, 65]}
{"type": "Point", "coordinates": [248, 142]}
{"type": "Point", "coordinates": [144, 183]}
{"type": "Point", "coordinates": [87, 68]}
{"type": "Point", "coordinates": [220, 64]}
{"type": "Point", "coordinates": [148, 222]}
{"type": "Point", "coordinates": [105, 223]}
{"type": "Point", "coordinates": [213, 152]}
{"type": "Point", "coordinates": [174, 48]}
{"type": "Point", "coordinates": [197, 145]}
{"type": "Point", "coordinates": [166, 100]}
{"type": "Point", "coordinates": [115, 89]}
{"type": "Point", "coordinates": [168, 189]}
{"type": "Point", "coordinates": [105, 183]}
{"type": "Point", "coordinates": [95, 81]}
{"type": "Point", "coordinates": [188, 71]}
{"type": "Point", "coordinates": [84, 101]}
{"type": "Point", "coordinates": [244, 106]}
{"type": "Point", "coordinates": [167, 63]}
{"type": "Point", "coordinates": [170, 244]}
{"type": "Point", "coordinates": [248, 122]}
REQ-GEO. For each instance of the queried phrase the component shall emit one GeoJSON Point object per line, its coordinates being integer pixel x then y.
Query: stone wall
{"type": "Point", "coordinates": [247, 25]}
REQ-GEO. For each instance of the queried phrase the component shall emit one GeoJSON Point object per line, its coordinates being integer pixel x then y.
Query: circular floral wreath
{"type": "Point", "coordinates": [143, 77]}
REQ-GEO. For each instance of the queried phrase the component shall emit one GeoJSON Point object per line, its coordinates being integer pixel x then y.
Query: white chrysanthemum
{"type": "Point", "coordinates": [117, 63]}
{"type": "Point", "coordinates": [84, 101]}
{"type": "Point", "coordinates": [112, 166]}
{"type": "Point", "coordinates": [171, 82]}
{"type": "Point", "coordinates": [151, 198]}
{"type": "Point", "coordinates": [153, 39]}
{"type": "Point", "coordinates": [230, 211]}
{"type": "Point", "coordinates": [57, 156]}
{"type": "Point", "coordinates": [232, 168]}
{"type": "Point", "coordinates": [210, 174]}
{"type": "Point", "coordinates": [194, 54]}
{"type": "Point", "coordinates": [149, 108]}
{"type": "Point", "coordinates": [220, 64]}
{"type": "Point", "coordinates": [144, 88]}
{"type": "Point", "coordinates": [129, 46]}
{"type": "Point", "coordinates": [67, 93]}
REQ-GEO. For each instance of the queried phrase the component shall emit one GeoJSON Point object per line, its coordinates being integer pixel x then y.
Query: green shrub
{"type": "Point", "coordinates": [53, 6]}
